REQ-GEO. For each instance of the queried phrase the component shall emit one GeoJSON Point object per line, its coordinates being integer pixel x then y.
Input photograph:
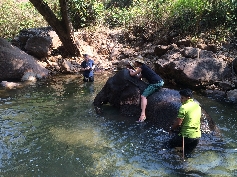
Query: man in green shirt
{"type": "Point", "coordinates": [187, 123]}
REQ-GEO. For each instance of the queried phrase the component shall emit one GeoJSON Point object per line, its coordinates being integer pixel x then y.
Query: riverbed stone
{"type": "Point", "coordinates": [9, 85]}
{"type": "Point", "coordinates": [14, 63]}
{"type": "Point", "coordinates": [232, 95]}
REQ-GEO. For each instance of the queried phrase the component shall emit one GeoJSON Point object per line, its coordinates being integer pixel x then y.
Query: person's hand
{"type": "Point", "coordinates": [170, 132]}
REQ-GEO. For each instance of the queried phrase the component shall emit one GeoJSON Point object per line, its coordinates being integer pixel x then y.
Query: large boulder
{"type": "Point", "coordinates": [192, 67]}
{"type": "Point", "coordinates": [38, 46]}
{"type": "Point", "coordinates": [38, 42]}
{"type": "Point", "coordinates": [15, 63]}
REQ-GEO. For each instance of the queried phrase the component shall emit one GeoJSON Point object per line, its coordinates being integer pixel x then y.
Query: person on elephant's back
{"type": "Point", "coordinates": [155, 82]}
{"type": "Point", "coordinates": [186, 127]}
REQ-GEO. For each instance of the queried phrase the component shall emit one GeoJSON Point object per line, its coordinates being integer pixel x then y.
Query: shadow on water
{"type": "Point", "coordinates": [50, 129]}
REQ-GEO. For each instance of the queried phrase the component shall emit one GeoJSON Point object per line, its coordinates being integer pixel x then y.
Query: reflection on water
{"type": "Point", "coordinates": [50, 129]}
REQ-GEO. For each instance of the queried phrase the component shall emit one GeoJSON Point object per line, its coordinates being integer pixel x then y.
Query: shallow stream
{"type": "Point", "coordinates": [50, 129]}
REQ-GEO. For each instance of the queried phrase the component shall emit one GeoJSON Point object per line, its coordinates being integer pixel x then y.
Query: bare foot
{"type": "Point", "coordinates": [142, 118]}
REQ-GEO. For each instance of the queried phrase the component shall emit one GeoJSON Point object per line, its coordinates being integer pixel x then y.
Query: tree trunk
{"type": "Point", "coordinates": [63, 27]}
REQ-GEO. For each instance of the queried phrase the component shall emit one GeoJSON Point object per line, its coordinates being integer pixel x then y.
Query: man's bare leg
{"type": "Point", "coordinates": [143, 107]}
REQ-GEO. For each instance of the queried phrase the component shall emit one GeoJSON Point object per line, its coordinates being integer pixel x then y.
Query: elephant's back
{"type": "Point", "coordinates": [165, 105]}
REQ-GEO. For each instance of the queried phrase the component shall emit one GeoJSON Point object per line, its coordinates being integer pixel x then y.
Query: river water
{"type": "Point", "coordinates": [50, 129]}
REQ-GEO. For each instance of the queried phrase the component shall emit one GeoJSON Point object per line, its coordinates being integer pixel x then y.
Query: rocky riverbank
{"type": "Point", "coordinates": [198, 64]}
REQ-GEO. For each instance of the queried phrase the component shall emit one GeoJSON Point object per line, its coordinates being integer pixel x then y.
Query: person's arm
{"type": "Point", "coordinates": [177, 123]}
{"type": "Point", "coordinates": [93, 65]}
{"type": "Point", "coordinates": [83, 67]}
{"type": "Point", "coordinates": [137, 72]}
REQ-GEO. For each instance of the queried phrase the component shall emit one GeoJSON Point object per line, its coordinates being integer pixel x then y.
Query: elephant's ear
{"type": "Point", "coordinates": [118, 81]}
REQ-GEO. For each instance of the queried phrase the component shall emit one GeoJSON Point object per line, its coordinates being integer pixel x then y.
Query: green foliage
{"type": "Point", "coordinates": [201, 15]}
{"type": "Point", "coordinates": [138, 13]}
{"type": "Point", "coordinates": [118, 4]}
{"type": "Point", "coordinates": [181, 16]}
{"type": "Point", "coordinates": [16, 16]}
{"type": "Point", "coordinates": [82, 12]}
{"type": "Point", "coordinates": [185, 14]}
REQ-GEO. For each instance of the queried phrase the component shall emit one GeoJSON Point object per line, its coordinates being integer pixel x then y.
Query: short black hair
{"type": "Point", "coordinates": [85, 55]}
{"type": "Point", "coordinates": [186, 93]}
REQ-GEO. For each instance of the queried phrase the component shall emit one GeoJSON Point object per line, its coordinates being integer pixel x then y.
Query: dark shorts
{"type": "Point", "coordinates": [88, 79]}
{"type": "Point", "coordinates": [189, 143]}
{"type": "Point", "coordinates": [152, 88]}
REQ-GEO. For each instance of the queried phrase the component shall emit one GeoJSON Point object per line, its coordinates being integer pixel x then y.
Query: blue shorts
{"type": "Point", "coordinates": [152, 88]}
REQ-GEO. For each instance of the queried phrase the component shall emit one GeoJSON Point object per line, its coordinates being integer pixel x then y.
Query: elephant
{"type": "Point", "coordinates": [123, 92]}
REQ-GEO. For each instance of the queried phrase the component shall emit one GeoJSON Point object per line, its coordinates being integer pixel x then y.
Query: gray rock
{"type": "Point", "coordinates": [9, 85]}
{"type": "Point", "coordinates": [14, 63]}
{"type": "Point", "coordinates": [190, 52]}
{"type": "Point", "coordinates": [38, 46]}
{"type": "Point", "coordinates": [66, 67]}
{"type": "Point", "coordinates": [232, 95]}
{"type": "Point", "coordinates": [160, 50]}
{"type": "Point", "coordinates": [193, 72]}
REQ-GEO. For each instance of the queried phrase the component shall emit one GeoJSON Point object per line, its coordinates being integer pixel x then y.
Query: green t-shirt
{"type": "Point", "coordinates": [190, 112]}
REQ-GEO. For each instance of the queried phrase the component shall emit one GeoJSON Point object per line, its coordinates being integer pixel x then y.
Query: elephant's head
{"type": "Point", "coordinates": [120, 90]}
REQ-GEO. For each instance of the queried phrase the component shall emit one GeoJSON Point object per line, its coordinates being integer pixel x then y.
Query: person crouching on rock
{"type": "Point", "coordinates": [155, 82]}
{"type": "Point", "coordinates": [87, 67]}
{"type": "Point", "coordinates": [187, 124]}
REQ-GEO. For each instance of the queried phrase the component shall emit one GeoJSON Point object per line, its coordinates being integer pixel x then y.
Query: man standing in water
{"type": "Point", "coordinates": [187, 123]}
{"type": "Point", "coordinates": [155, 83]}
{"type": "Point", "coordinates": [87, 67]}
